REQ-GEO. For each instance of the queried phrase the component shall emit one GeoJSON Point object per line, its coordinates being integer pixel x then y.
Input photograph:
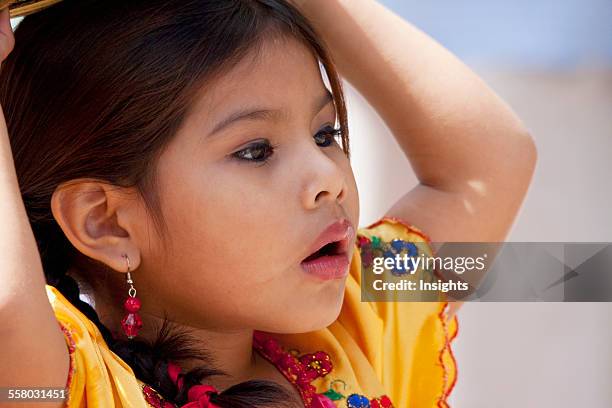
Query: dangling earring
{"type": "Point", "coordinates": [131, 323]}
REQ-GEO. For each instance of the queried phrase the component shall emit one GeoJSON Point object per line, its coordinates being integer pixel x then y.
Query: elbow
{"type": "Point", "coordinates": [528, 154]}
{"type": "Point", "coordinates": [519, 163]}
{"type": "Point", "coordinates": [518, 154]}
{"type": "Point", "coordinates": [514, 163]}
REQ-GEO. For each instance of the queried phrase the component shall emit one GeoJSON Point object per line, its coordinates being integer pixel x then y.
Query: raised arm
{"type": "Point", "coordinates": [33, 351]}
{"type": "Point", "coordinates": [473, 157]}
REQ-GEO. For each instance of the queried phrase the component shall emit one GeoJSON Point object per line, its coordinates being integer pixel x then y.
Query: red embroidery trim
{"type": "Point", "coordinates": [71, 352]}
{"type": "Point", "coordinates": [154, 399]}
{"type": "Point", "coordinates": [442, 401]}
{"type": "Point", "coordinates": [289, 365]}
{"type": "Point", "coordinates": [452, 355]}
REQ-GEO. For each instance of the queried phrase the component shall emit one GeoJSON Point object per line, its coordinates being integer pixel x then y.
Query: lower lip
{"type": "Point", "coordinates": [327, 267]}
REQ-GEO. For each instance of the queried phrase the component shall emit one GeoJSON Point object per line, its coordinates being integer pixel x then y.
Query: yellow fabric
{"type": "Point", "coordinates": [398, 349]}
{"type": "Point", "coordinates": [99, 377]}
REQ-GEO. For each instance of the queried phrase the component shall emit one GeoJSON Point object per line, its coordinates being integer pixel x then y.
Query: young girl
{"type": "Point", "coordinates": [180, 215]}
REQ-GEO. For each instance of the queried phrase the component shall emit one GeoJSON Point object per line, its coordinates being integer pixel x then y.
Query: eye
{"type": "Point", "coordinates": [258, 152]}
{"type": "Point", "coordinates": [326, 136]}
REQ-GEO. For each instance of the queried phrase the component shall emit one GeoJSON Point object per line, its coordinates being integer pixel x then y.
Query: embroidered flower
{"type": "Point", "coordinates": [382, 402]}
{"type": "Point", "coordinates": [377, 247]}
{"type": "Point", "coordinates": [318, 362]}
{"type": "Point", "coordinates": [357, 401]}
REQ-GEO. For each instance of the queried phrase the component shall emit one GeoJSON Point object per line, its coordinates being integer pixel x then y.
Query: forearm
{"type": "Point", "coordinates": [30, 333]}
{"type": "Point", "coordinates": [20, 267]}
{"type": "Point", "coordinates": [451, 126]}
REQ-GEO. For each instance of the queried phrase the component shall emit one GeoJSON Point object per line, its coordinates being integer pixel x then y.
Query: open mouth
{"type": "Point", "coordinates": [329, 259]}
{"type": "Point", "coordinates": [330, 249]}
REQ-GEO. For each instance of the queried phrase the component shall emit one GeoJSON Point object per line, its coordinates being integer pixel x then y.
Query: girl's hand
{"type": "Point", "coordinates": [7, 39]}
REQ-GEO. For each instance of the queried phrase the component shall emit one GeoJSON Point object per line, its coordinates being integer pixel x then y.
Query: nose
{"type": "Point", "coordinates": [324, 182]}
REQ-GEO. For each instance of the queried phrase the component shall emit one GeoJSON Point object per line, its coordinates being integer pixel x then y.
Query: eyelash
{"type": "Point", "coordinates": [329, 131]}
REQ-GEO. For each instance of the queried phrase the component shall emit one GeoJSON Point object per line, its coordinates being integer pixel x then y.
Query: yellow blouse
{"type": "Point", "coordinates": [398, 349]}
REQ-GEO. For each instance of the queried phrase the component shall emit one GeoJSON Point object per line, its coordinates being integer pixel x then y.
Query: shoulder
{"type": "Point", "coordinates": [401, 332]}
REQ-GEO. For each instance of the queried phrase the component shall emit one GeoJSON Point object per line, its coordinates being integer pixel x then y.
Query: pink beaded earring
{"type": "Point", "coordinates": [131, 323]}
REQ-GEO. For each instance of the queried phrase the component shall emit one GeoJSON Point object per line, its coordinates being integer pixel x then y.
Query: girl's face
{"type": "Point", "coordinates": [246, 186]}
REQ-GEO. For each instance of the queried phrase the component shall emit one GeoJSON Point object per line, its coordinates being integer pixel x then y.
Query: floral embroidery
{"type": "Point", "coordinates": [382, 402]}
{"type": "Point", "coordinates": [359, 401]}
{"type": "Point", "coordinates": [301, 370]}
{"type": "Point", "coordinates": [376, 247]}
{"type": "Point", "coordinates": [318, 362]}
{"type": "Point", "coordinates": [333, 394]}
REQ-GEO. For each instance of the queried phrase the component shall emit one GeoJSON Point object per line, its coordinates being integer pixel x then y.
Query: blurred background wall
{"type": "Point", "coordinates": [552, 62]}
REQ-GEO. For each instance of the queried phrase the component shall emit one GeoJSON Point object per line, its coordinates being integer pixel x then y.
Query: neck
{"type": "Point", "coordinates": [231, 351]}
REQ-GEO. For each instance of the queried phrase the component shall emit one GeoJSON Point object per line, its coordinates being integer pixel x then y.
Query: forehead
{"type": "Point", "coordinates": [280, 72]}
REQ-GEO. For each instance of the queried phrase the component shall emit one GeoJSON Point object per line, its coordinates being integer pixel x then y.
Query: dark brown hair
{"type": "Point", "coordinates": [97, 89]}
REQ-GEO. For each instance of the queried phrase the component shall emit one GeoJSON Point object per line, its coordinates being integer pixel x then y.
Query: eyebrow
{"type": "Point", "coordinates": [264, 114]}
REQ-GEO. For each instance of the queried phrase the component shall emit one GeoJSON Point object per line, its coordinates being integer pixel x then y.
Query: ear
{"type": "Point", "coordinates": [98, 219]}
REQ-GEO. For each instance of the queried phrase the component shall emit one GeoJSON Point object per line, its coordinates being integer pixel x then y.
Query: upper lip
{"type": "Point", "coordinates": [341, 231]}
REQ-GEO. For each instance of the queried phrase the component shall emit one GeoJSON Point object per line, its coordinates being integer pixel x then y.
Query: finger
{"type": "Point", "coordinates": [7, 39]}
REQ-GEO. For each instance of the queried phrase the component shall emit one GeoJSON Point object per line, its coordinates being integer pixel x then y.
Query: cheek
{"type": "Point", "coordinates": [225, 230]}
{"type": "Point", "coordinates": [216, 261]}
{"type": "Point", "coordinates": [216, 226]}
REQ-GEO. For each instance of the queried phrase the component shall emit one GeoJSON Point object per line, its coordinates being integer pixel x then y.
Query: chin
{"type": "Point", "coordinates": [317, 318]}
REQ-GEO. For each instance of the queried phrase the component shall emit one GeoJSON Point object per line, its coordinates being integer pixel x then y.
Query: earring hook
{"type": "Point", "coordinates": [132, 290]}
